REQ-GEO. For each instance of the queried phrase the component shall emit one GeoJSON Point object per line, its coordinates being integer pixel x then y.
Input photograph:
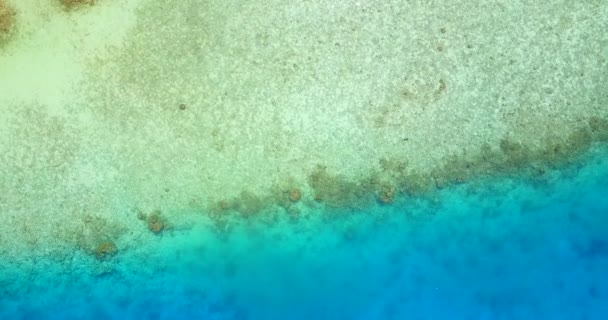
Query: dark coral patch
{"type": "Point", "coordinates": [105, 249]}
{"type": "Point", "coordinates": [295, 195]}
{"type": "Point", "coordinates": [7, 20]}
{"type": "Point", "coordinates": [337, 191]}
{"type": "Point", "coordinates": [74, 4]}
{"type": "Point", "coordinates": [154, 221]}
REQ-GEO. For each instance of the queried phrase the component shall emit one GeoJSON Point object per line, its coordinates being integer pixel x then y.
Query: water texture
{"type": "Point", "coordinates": [317, 159]}
{"type": "Point", "coordinates": [502, 248]}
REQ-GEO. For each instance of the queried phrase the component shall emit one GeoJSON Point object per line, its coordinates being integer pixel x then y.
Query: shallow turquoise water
{"type": "Point", "coordinates": [501, 248]}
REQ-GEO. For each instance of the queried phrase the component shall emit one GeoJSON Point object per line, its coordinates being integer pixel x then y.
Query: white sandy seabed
{"type": "Point", "coordinates": [92, 128]}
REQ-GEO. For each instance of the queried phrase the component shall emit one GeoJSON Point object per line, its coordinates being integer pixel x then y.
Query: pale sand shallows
{"type": "Point", "coordinates": [91, 125]}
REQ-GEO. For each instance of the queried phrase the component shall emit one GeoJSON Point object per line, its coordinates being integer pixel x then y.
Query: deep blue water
{"type": "Point", "coordinates": [497, 248]}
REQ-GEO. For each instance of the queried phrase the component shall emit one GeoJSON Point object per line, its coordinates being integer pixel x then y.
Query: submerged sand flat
{"type": "Point", "coordinates": [123, 107]}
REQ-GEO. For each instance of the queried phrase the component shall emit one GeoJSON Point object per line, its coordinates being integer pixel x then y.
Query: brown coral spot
{"type": "Point", "coordinates": [155, 222]}
{"type": "Point", "coordinates": [387, 194]}
{"type": "Point", "coordinates": [7, 19]}
{"type": "Point", "coordinates": [105, 249]}
{"type": "Point", "coordinates": [73, 4]}
{"type": "Point", "coordinates": [295, 194]}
